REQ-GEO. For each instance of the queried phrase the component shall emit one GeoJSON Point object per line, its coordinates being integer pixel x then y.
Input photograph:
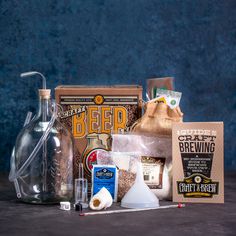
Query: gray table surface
{"type": "Point", "coordinates": [195, 219]}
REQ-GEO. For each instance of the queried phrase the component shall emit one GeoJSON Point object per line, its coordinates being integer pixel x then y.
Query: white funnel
{"type": "Point", "coordinates": [139, 195]}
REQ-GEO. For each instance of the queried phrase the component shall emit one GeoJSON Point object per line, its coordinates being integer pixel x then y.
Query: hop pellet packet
{"type": "Point", "coordinates": [198, 162]}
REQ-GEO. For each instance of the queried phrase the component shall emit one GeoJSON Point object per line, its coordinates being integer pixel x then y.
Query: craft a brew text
{"type": "Point", "coordinates": [195, 188]}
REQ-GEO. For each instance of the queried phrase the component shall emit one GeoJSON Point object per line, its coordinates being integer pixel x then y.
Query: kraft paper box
{"type": "Point", "coordinates": [93, 113]}
{"type": "Point", "coordinates": [198, 163]}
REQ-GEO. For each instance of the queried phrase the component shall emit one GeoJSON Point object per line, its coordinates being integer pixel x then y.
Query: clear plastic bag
{"type": "Point", "coordinates": [126, 164]}
{"type": "Point", "coordinates": [156, 157]}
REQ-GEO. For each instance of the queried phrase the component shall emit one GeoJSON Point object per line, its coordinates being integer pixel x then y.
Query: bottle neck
{"type": "Point", "coordinates": [44, 112]}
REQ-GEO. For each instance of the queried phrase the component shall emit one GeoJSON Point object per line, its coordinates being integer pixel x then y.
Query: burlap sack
{"type": "Point", "coordinates": [157, 119]}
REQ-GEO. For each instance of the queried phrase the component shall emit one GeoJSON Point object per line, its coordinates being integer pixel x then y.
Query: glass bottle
{"type": "Point", "coordinates": [48, 177]}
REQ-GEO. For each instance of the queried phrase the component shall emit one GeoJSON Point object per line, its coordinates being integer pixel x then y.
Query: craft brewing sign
{"type": "Point", "coordinates": [198, 163]}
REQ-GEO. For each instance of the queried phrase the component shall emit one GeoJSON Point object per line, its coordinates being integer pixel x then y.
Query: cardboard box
{"type": "Point", "coordinates": [198, 162]}
{"type": "Point", "coordinates": [93, 113]}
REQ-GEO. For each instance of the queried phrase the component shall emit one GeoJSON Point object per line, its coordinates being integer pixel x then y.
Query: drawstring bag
{"type": "Point", "coordinates": [157, 119]}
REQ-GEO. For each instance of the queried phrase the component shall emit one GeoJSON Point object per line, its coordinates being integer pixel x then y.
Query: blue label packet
{"type": "Point", "coordinates": [105, 176]}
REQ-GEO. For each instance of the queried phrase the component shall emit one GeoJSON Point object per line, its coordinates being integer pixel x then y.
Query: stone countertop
{"type": "Point", "coordinates": [18, 218]}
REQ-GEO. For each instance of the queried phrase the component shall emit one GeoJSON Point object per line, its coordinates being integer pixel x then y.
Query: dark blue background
{"type": "Point", "coordinates": [120, 41]}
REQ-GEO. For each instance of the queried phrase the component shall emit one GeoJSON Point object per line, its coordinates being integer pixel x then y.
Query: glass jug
{"type": "Point", "coordinates": [42, 162]}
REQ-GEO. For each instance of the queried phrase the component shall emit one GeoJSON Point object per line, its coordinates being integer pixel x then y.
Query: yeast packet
{"type": "Point", "coordinates": [105, 176]}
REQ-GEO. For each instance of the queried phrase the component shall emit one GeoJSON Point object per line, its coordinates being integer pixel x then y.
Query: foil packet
{"type": "Point", "coordinates": [171, 98]}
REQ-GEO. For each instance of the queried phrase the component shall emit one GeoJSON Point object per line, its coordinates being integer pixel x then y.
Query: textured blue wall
{"type": "Point", "coordinates": [120, 41]}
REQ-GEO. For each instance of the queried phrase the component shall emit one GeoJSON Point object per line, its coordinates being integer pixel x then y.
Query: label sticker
{"type": "Point", "coordinates": [153, 168]}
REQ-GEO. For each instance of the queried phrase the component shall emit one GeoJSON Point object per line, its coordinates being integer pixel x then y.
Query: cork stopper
{"type": "Point", "coordinates": [44, 93]}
